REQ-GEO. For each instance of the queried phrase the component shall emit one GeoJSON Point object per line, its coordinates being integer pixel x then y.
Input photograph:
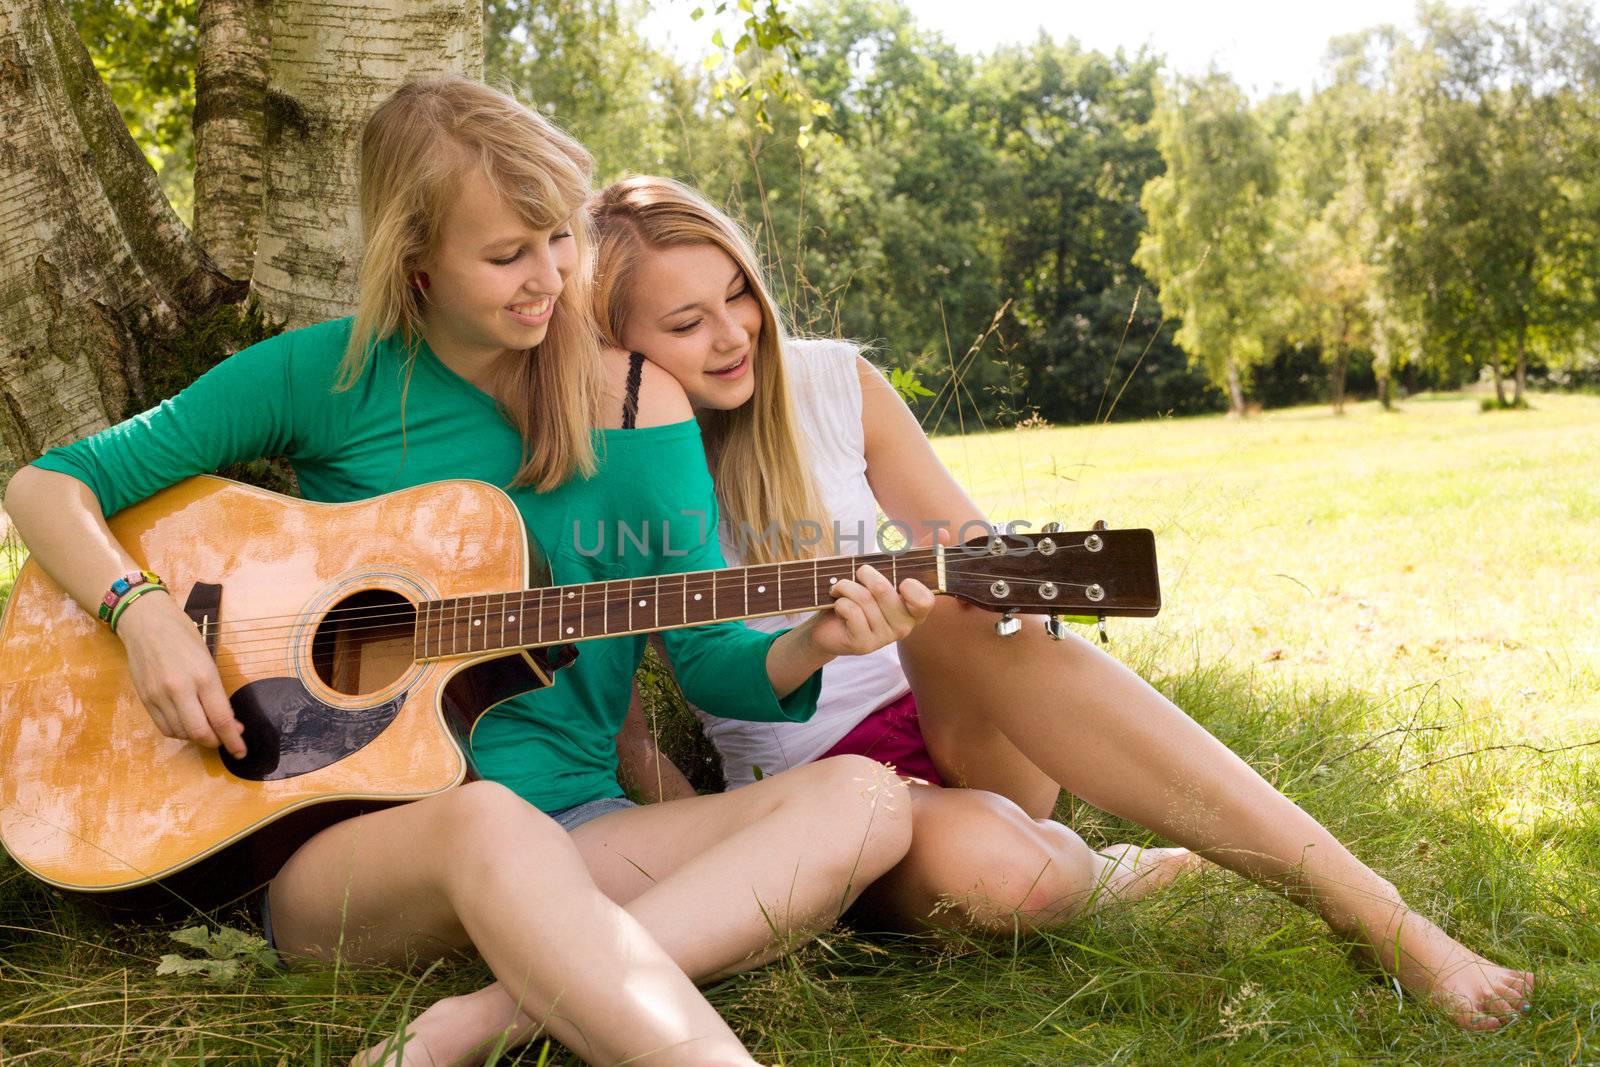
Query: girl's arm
{"type": "Point", "coordinates": [240, 409]}
{"type": "Point", "coordinates": [641, 765]}
{"type": "Point", "coordinates": [906, 475]}
{"type": "Point", "coordinates": [870, 612]}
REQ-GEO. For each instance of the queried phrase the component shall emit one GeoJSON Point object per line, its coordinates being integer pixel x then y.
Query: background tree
{"type": "Point", "coordinates": [1209, 245]}
{"type": "Point", "coordinates": [107, 301]}
{"type": "Point", "coordinates": [97, 273]}
{"type": "Point", "coordinates": [1499, 255]}
{"type": "Point", "coordinates": [1328, 233]}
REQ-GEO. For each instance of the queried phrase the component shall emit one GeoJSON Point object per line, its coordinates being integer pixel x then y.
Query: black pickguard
{"type": "Point", "coordinates": [288, 732]}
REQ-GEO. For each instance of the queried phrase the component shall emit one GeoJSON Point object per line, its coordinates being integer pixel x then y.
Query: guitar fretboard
{"type": "Point", "coordinates": [559, 614]}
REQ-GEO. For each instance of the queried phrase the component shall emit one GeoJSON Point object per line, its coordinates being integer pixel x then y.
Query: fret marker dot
{"type": "Point", "coordinates": [761, 589]}
{"type": "Point", "coordinates": [641, 603]}
{"type": "Point", "coordinates": [833, 581]}
{"type": "Point", "coordinates": [697, 596]}
{"type": "Point", "coordinates": [571, 595]}
{"type": "Point", "coordinates": [477, 622]}
{"type": "Point", "coordinates": [511, 618]}
{"type": "Point", "coordinates": [569, 629]}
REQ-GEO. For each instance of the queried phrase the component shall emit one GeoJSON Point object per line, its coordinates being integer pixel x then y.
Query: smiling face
{"type": "Point", "coordinates": [492, 280]}
{"type": "Point", "coordinates": [693, 313]}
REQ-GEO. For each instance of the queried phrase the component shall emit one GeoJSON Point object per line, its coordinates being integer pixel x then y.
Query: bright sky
{"type": "Point", "coordinates": [1262, 44]}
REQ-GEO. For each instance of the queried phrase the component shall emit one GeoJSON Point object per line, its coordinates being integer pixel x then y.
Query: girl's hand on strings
{"type": "Point", "coordinates": [175, 676]}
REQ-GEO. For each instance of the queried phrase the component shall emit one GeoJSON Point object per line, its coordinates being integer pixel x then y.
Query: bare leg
{"type": "Point", "coordinates": [723, 883]}
{"type": "Point", "coordinates": [980, 863]}
{"type": "Point", "coordinates": [1029, 714]}
{"type": "Point", "coordinates": [434, 876]}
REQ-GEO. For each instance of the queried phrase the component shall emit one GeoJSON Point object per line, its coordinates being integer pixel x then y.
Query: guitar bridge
{"type": "Point", "coordinates": [204, 608]}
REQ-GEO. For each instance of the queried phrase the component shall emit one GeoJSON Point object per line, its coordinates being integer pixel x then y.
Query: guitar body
{"type": "Point", "coordinates": [314, 641]}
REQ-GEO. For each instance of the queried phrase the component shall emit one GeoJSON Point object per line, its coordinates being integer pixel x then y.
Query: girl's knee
{"type": "Point", "coordinates": [857, 791]}
{"type": "Point", "coordinates": [485, 813]}
{"type": "Point", "coordinates": [862, 778]}
{"type": "Point", "coordinates": [1002, 866]}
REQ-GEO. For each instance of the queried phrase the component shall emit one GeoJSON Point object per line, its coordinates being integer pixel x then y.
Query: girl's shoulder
{"type": "Point", "coordinates": [633, 381]}
{"type": "Point", "coordinates": [314, 351]}
{"type": "Point", "coordinates": [824, 370]}
{"type": "Point", "coordinates": [820, 355]}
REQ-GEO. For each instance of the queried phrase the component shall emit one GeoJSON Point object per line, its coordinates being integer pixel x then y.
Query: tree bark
{"type": "Point", "coordinates": [1499, 382]}
{"type": "Point", "coordinates": [230, 129]}
{"type": "Point", "coordinates": [1385, 391]}
{"type": "Point", "coordinates": [94, 264]}
{"type": "Point", "coordinates": [1341, 365]}
{"type": "Point", "coordinates": [1521, 380]}
{"type": "Point", "coordinates": [333, 61]}
{"type": "Point", "coordinates": [1235, 388]}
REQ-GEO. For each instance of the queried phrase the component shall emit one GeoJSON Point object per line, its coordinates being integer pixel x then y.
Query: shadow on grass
{"type": "Point", "coordinates": [1500, 849]}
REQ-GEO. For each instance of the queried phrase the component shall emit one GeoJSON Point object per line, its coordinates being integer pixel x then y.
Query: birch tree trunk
{"type": "Point", "coordinates": [230, 128]}
{"type": "Point", "coordinates": [94, 265]}
{"type": "Point", "coordinates": [332, 62]}
{"type": "Point", "coordinates": [1521, 379]}
{"type": "Point", "coordinates": [1235, 388]}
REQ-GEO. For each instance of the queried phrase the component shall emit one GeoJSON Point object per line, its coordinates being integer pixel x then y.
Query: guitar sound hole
{"type": "Point", "coordinates": [365, 642]}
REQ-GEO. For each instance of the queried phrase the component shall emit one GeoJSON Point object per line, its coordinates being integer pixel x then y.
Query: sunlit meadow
{"type": "Point", "coordinates": [1392, 615]}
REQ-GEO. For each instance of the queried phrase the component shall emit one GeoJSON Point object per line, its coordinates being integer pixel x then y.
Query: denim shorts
{"type": "Point", "coordinates": [575, 816]}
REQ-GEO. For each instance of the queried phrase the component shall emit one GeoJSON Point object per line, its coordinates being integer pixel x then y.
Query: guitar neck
{"type": "Point", "coordinates": [563, 614]}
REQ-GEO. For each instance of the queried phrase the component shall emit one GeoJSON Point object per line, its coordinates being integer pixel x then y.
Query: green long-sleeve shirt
{"type": "Point", "coordinates": [554, 746]}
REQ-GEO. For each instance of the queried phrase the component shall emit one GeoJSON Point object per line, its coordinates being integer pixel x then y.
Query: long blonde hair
{"type": "Point", "coordinates": [415, 149]}
{"type": "Point", "coordinates": [764, 485]}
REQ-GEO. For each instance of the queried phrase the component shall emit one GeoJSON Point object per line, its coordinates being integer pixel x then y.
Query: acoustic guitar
{"type": "Point", "coordinates": [359, 644]}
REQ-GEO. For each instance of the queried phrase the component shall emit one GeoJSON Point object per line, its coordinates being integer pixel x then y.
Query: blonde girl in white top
{"type": "Point", "coordinates": [822, 434]}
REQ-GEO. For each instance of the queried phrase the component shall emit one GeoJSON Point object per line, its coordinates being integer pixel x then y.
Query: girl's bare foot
{"type": "Point", "coordinates": [1129, 872]}
{"type": "Point", "coordinates": [1475, 993]}
{"type": "Point", "coordinates": [448, 1034]}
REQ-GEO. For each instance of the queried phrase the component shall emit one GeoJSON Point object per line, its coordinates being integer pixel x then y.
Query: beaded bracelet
{"type": "Point", "coordinates": [134, 594]}
{"type": "Point", "coordinates": [120, 589]}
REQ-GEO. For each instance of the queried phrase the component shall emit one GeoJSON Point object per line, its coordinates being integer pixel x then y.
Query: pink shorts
{"type": "Point", "coordinates": [892, 735]}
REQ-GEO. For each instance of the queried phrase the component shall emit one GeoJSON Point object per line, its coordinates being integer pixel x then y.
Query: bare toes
{"type": "Point", "coordinates": [1516, 991]}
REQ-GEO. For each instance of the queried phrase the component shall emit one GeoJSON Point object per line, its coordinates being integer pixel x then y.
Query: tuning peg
{"type": "Point", "coordinates": [1050, 527]}
{"type": "Point", "coordinates": [1056, 627]}
{"type": "Point", "coordinates": [1008, 625]}
{"type": "Point", "coordinates": [1099, 524]}
{"type": "Point", "coordinates": [1101, 625]}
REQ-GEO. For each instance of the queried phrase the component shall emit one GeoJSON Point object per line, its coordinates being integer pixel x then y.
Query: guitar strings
{"type": "Point", "coordinates": [696, 581]}
{"type": "Point", "coordinates": [537, 600]}
{"type": "Point", "coordinates": [403, 619]}
{"type": "Point", "coordinates": [244, 657]}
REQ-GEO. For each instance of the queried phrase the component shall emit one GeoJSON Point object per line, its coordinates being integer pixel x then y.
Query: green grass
{"type": "Point", "coordinates": [1386, 613]}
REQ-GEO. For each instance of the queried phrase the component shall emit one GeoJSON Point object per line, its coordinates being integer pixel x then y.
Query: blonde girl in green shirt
{"type": "Point", "coordinates": [473, 354]}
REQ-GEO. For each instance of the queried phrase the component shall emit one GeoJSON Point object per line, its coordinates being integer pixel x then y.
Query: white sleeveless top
{"type": "Point", "coordinates": [826, 395]}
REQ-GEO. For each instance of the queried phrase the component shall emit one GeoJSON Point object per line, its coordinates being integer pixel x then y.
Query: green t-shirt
{"type": "Point", "coordinates": [554, 746]}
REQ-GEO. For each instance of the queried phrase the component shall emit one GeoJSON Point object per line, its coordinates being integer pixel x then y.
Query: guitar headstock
{"type": "Point", "coordinates": [1058, 572]}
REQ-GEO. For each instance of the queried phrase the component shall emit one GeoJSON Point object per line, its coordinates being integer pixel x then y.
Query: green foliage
{"type": "Point", "coordinates": [229, 954]}
{"type": "Point", "coordinates": [168, 364]}
{"type": "Point", "coordinates": [1209, 242]}
{"type": "Point", "coordinates": [908, 385]}
{"type": "Point", "coordinates": [1423, 214]}
{"type": "Point", "coordinates": [1495, 247]}
{"type": "Point", "coordinates": [145, 52]}
{"type": "Point", "coordinates": [583, 64]}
